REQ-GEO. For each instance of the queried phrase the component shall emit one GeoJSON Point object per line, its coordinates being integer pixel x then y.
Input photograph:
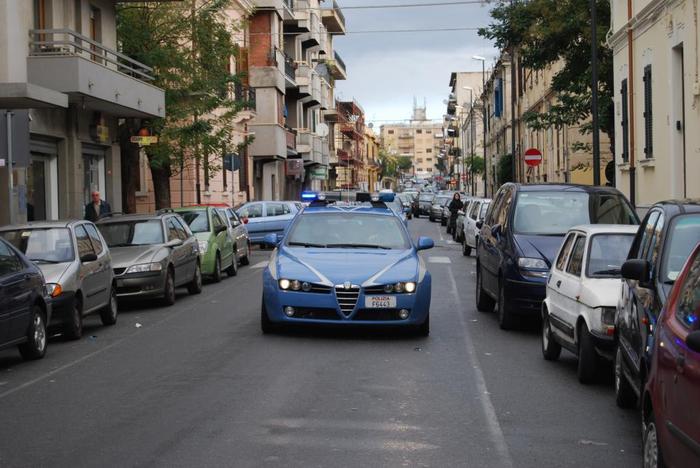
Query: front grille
{"type": "Point", "coordinates": [376, 290]}
{"type": "Point", "coordinates": [119, 271]}
{"type": "Point", "coordinates": [315, 313]}
{"type": "Point", "coordinates": [377, 314]}
{"type": "Point", "coordinates": [320, 288]}
{"type": "Point", "coordinates": [347, 298]}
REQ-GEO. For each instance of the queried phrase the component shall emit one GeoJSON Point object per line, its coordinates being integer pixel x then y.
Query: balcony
{"type": "Point", "coordinates": [270, 141]}
{"type": "Point", "coordinates": [303, 78]}
{"type": "Point", "coordinates": [317, 149]}
{"type": "Point", "coordinates": [92, 75]}
{"type": "Point", "coordinates": [284, 7]}
{"type": "Point", "coordinates": [326, 95]}
{"type": "Point", "coordinates": [336, 67]}
{"type": "Point", "coordinates": [313, 37]}
{"type": "Point", "coordinates": [304, 143]}
{"type": "Point", "coordinates": [333, 19]}
{"type": "Point", "coordinates": [245, 99]}
{"type": "Point", "coordinates": [301, 22]}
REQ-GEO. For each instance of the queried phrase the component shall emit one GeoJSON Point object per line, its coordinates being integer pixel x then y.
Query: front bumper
{"type": "Point", "coordinates": [605, 345]}
{"type": "Point", "coordinates": [322, 308]}
{"type": "Point", "coordinates": [526, 295]}
{"type": "Point", "coordinates": [62, 308]}
{"type": "Point", "coordinates": [139, 285]}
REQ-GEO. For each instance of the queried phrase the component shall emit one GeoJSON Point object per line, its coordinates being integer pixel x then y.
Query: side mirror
{"type": "Point", "coordinates": [91, 257]}
{"type": "Point", "coordinates": [496, 230]}
{"type": "Point", "coordinates": [270, 239]}
{"type": "Point", "coordinates": [174, 243]}
{"type": "Point", "coordinates": [219, 229]}
{"type": "Point", "coordinates": [424, 243]}
{"type": "Point", "coordinates": [693, 341]}
{"type": "Point", "coordinates": [636, 269]}
{"type": "Point", "coordinates": [479, 224]}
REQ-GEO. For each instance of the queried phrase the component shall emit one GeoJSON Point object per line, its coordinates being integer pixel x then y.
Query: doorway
{"type": "Point", "coordinates": [93, 172]}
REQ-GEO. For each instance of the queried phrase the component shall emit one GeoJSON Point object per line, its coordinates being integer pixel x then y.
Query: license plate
{"type": "Point", "coordinates": [380, 302]}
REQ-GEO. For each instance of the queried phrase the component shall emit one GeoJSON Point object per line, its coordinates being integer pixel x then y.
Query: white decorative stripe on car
{"type": "Point", "coordinates": [373, 278]}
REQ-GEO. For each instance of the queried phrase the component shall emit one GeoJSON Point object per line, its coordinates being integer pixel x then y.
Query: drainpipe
{"type": "Point", "coordinates": [10, 163]}
{"type": "Point", "coordinates": [630, 93]}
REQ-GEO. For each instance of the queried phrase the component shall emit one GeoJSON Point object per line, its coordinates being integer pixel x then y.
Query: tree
{"type": "Point", "coordinates": [545, 32]}
{"type": "Point", "coordinates": [388, 163]}
{"type": "Point", "coordinates": [504, 169]}
{"type": "Point", "coordinates": [478, 164]}
{"type": "Point", "coordinates": [189, 45]}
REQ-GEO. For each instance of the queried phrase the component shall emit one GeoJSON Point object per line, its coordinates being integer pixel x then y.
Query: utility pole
{"type": "Point", "coordinates": [10, 163]}
{"type": "Point", "coordinates": [594, 94]}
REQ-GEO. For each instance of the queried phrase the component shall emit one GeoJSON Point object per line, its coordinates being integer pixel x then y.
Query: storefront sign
{"type": "Point", "coordinates": [144, 140]}
{"type": "Point", "coordinates": [319, 173]}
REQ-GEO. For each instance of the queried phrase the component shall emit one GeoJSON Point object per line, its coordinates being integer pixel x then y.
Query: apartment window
{"type": "Point", "coordinates": [419, 160]}
{"type": "Point", "coordinates": [430, 169]}
{"type": "Point", "coordinates": [648, 118]}
{"type": "Point", "coordinates": [429, 150]}
{"type": "Point", "coordinates": [429, 159]}
{"type": "Point", "coordinates": [625, 122]}
{"type": "Point", "coordinates": [390, 132]}
{"type": "Point", "coordinates": [419, 131]}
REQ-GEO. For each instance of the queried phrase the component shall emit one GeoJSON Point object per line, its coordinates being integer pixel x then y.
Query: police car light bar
{"type": "Point", "coordinates": [309, 195]}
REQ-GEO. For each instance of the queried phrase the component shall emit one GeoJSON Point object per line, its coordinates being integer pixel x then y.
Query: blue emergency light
{"type": "Point", "coordinates": [308, 196]}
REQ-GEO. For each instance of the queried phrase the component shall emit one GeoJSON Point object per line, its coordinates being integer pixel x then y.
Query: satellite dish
{"type": "Point", "coordinates": [322, 130]}
{"type": "Point", "coordinates": [370, 125]}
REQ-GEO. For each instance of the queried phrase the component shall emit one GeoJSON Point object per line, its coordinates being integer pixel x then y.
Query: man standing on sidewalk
{"type": "Point", "coordinates": [96, 208]}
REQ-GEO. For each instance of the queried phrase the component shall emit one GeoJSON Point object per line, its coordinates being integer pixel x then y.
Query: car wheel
{"type": "Point", "coordinates": [35, 346]}
{"type": "Point", "coordinates": [587, 357]}
{"type": "Point", "coordinates": [466, 250]}
{"type": "Point", "coordinates": [506, 320]}
{"type": "Point", "coordinates": [551, 350]}
{"type": "Point", "coordinates": [246, 260]}
{"type": "Point", "coordinates": [169, 289]}
{"type": "Point", "coordinates": [424, 328]}
{"type": "Point", "coordinates": [266, 325]}
{"type": "Point", "coordinates": [233, 269]}
{"type": "Point", "coordinates": [108, 314]}
{"type": "Point", "coordinates": [484, 302]}
{"type": "Point", "coordinates": [216, 276]}
{"type": "Point", "coordinates": [73, 330]}
{"type": "Point", "coordinates": [431, 219]}
{"type": "Point", "coordinates": [652, 450]}
{"type": "Point", "coordinates": [624, 394]}
{"type": "Point", "coordinates": [195, 286]}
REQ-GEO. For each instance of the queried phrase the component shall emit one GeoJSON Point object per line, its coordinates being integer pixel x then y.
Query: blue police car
{"type": "Point", "coordinates": [347, 264]}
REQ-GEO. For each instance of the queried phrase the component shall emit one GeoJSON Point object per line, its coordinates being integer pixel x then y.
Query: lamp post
{"type": "Point", "coordinates": [471, 139]}
{"type": "Point", "coordinates": [483, 107]}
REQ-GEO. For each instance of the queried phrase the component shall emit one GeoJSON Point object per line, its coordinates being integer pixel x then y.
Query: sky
{"type": "Point", "coordinates": [386, 71]}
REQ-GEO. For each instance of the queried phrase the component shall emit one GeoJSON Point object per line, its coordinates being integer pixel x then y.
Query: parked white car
{"type": "Point", "coordinates": [476, 212]}
{"type": "Point", "coordinates": [583, 288]}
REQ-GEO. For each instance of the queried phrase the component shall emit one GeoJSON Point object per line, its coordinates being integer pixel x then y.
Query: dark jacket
{"type": "Point", "coordinates": [455, 206]}
{"type": "Point", "coordinates": [90, 214]}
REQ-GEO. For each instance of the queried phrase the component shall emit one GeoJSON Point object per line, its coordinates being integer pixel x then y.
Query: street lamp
{"type": "Point", "coordinates": [472, 136]}
{"type": "Point", "coordinates": [483, 104]}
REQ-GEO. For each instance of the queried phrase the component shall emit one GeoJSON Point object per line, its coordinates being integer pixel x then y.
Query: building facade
{"type": "Point", "coordinates": [63, 87]}
{"type": "Point", "coordinates": [657, 92]}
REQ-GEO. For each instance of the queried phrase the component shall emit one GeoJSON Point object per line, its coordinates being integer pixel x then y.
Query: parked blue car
{"type": "Point", "coordinates": [347, 265]}
{"type": "Point", "coordinates": [267, 217]}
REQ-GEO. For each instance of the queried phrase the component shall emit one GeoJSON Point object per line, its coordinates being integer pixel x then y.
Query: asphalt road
{"type": "Point", "coordinates": [197, 384]}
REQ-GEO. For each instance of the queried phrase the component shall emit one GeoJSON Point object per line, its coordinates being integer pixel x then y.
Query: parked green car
{"type": "Point", "coordinates": [215, 243]}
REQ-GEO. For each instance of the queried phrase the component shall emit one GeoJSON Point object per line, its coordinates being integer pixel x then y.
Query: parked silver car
{"type": "Point", "coordinates": [238, 233]}
{"type": "Point", "coordinates": [152, 255]}
{"type": "Point", "coordinates": [470, 234]}
{"type": "Point", "coordinates": [77, 266]}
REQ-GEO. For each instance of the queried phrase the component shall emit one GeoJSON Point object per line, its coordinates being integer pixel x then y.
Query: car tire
{"type": "Point", "coordinates": [624, 394]}
{"type": "Point", "coordinates": [169, 289]}
{"type": "Point", "coordinates": [484, 302]}
{"type": "Point", "coordinates": [432, 220]}
{"type": "Point", "coordinates": [266, 325]}
{"type": "Point", "coordinates": [651, 450]}
{"type": "Point", "coordinates": [233, 269]}
{"type": "Point", "coordinates": [108, 314]}
{"type": "Point", "coordinates": [216, 276]}
{"type": "Point", "coordinates": [466, 250]}
{"type": "Point", "coordinates": [74, 329]}
{"type": "Point", "coordinates": [587, 357]}
{"type": "Point", "coordinates": [35, 346]}
{"type": "Point", "coordinates": [246, 259]}
{"type": "Point", "coordinates": [424, 328]}
{"type": "Point", "coordinates": [195, 286]}
{"type": "Point", "coordinates": [506, 320]}
{"type": "Point", "coordinates": [551, 350]}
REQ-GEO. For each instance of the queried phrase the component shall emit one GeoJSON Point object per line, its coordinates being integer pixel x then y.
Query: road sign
{"type": "Point", "coordinates": [144, 140]}
{"type": "Point", "coordinates": [533, 157]}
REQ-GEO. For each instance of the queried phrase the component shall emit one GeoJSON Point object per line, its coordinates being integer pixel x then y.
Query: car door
{"type": "Point", "coordinates": [14, 295]}
{"type": "Point", "coordinates": [470, 223]}
{"type": "Point", "coordinates": [277, 217]}
{"type": "Point", "coordinates": [179, 254]}
{"type": "Point", "coordinates": [253, 216]}
{"type": "Point", "coordinates": [223, 238]}
{"type": "Point", "coordinates": [570, 287]}
{"type": "Point", "coordinates": [90, 281]}
{"type": "Point", "coordinates": [240, 235]}
{"type": "Point", "coordinates": [498, 248]}
{"type": "Point", "coordinates": [554, 283]}
{"type": "Point", "coordinates": [189, 247]}
{"type": "Point", "coordinates": [103, 271]}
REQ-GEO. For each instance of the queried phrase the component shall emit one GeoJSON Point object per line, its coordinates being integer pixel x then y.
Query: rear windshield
{"type": "Point", "coordinates": [129, 233]}
{"type": "Point", "coordinates": [198, 221]}
{"type": "Point", "coordinates": [607, 253]}
{"type": "Point", "coordinates": [426, 197]}
{"type": "Point", "coordinates": [51, 245]}
{"type": "Point", "coordinates": [555, 212]}
{"type": "Point", "coordinates": [684, 235]}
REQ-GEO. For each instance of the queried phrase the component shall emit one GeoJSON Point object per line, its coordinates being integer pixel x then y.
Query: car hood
{"type": "Point", "coordinates": [337, 266]}
{"type": "Point", "coordinates": [53, 272]}
{"type": "Point", "coordinates": [124, 257]}
{"type": "Point", "coordinates": [544, 247]}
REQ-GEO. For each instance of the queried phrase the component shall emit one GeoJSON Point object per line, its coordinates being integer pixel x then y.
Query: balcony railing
{"type": "Point", "coordinates": [245, 95]}
{"type": "Point", "coordinates": [65, 42]}
{"type": "Point", "coordinates": [289, 3]}
{"type": "Point", "coordinates": [289, 66]}
{"type": "Point", "coordinates": [339, 60]}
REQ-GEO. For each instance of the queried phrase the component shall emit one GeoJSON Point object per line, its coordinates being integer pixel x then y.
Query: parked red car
{"type": "Point", "coordinates": [671, 404]}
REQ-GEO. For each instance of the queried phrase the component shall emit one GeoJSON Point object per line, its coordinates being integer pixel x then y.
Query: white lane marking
{"type": "Point", "coordinates": [493, 425]}
{"type": "Point", "coordinates": [436, 259]}
{"type": "Point", "coordinates": [260, 264]}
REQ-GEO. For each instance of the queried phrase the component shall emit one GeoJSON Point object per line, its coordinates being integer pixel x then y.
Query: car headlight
{"type": "Point", "coordinates": [203, 246]}
{"type": "Point", "coordinates": [145, 268]}
{"type": "Point", "coordinates": [294, 285]}
{"type": "Point", "coordinates": [532, 263]}
{"type": "Point", "coordinates": [53, 289]}
{"type": "Point", "coordinates": [400, 287]}
{"type": "Point", "coordinates": [607, 315]}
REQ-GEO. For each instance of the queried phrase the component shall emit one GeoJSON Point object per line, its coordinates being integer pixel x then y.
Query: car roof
{"type": "Point", "coordinates": [356, 208]}
{"type": "Point", "coordinates": [63, 223]}
{"type": "Point", "coordinates": [562, 187]}
{"type": "Point", "coordinates": [134, 217]}
{"type": "Point", "coordinates": [674, 207]}
{"type": "Point", "coordinates": [606, 228]}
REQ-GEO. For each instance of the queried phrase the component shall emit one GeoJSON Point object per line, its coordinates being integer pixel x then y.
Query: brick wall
{"type": "Point", "coordinates": [260, 40]}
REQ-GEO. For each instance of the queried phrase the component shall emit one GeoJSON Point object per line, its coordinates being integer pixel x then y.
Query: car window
{"type": "Point", "coordinates": [343, 230]}
{"type": "Point", "coordinates": [9, 262]}
{"type": "Point", "coordinates": [277, 209]}
{"type": "Point", "coordinates": [505, 208]}
{"type": "Point", "coordinates": [576, 262]}
{"type": "Point", "coordinates": [611, 209]}
{"type": "Point", "coordinates": [683, 236]}
{"type": "Point", "coordinates": [216, 220]}
{"type": "Point", "coordinates": [172, 230]}
{"type": "Point", "coordinates": [222, 216]}
{"type": "Point", "coordinates": [183, 231]}
{"type": "Point", "coordinates": [688, 308]}
{"type": "Point", "coordinates": [128, 233]}
{"type": "Point", "coordinates": [565, 250]}
{"type": "Point", "coordinates": [53, 245]}
{"type": "Point", "coordinates": [492, 214]}
{"type": "Point", "coordinates": [647, 234]}
{"type": "Point", "coordinates": [95, 238]}
{"type": "Point", "coordinates": [474, 210]}
{"type": "Point", "coordinates": [197, 220]}
{"type": "Point", "coordinates": [484, 209]}
{"type": "Point", "coordinates": [656, 244]}
{"type": "Point", "coordinates": [607, 253]}
{"type": "Point", "coordinates": [426, 197]}
{"type": "Point", "coordinates": [251, 211]}
{"type": "Point", "coordinates": [84, 244]}
{"type": "Point", "coordinates": [233, 217]}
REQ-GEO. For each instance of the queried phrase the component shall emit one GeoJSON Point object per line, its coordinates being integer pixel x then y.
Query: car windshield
{"type": "Point", "coordinates": [554, 213]}
{"type": "Point", "coordinates": [426, 197]}
{"type": "Point", "coordinates": [197, 220]}
{"type": "Point", "coordinates": [442, 201]}
{"type": "Point", "coordinates": [683, 236]}
{"type": "Point", "coordinates": [51, 245]}
{"type": "Point", "coordinates": [607, 253]}
{"type": "Point", "coordinates": [129, 233]}
{"type": "Point", "coordinates": [347, 230]}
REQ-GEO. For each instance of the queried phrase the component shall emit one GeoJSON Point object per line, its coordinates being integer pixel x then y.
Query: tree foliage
{"type": "Point", "coordinates": [545, 32]}
{"type": "Point", "coordinates": [189, 45]}
{"type": "Point", "coordinates": [475, 164]}
{"type": "Point", "coordinates": [504, 169]}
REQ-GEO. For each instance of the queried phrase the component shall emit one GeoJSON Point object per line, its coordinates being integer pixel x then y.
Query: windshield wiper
{"type": "Point", "coordinates": [44, 260]}
{"type": "Point", "coordinates": [360, 246]}
{"type": "Point", "coordinates": [307, 244]}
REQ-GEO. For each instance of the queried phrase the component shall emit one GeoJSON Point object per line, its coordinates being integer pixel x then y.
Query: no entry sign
{"type": "Point", "coordinates": [533, 157]}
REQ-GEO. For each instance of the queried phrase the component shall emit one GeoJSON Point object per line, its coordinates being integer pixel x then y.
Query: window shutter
{"type": "Point", "coordinates": [648, 117]}
{"type": "Point", "coordinates": [625, 123]}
